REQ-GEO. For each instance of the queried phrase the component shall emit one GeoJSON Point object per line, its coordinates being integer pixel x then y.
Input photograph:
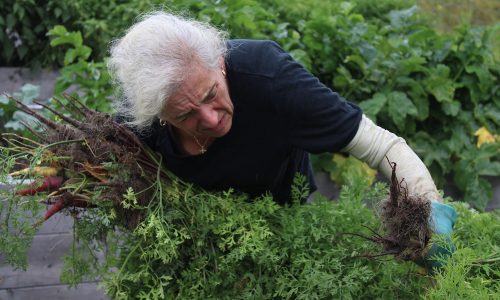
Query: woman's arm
{"type": "Point", "coordinates": [372, 144]}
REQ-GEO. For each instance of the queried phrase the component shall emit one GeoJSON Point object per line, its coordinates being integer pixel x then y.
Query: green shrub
{"type": "Point", "coordinates": [90, 79]}
{"type": "Point", "coordinates": [191, 243]}
{"type": "Point", "coordinates": [23, 25]}
{"type": "Point", "coordinates": [199, 245]}
{"type": "Point", "coordinates": [411, 79]}
{"type": "Point", "coordinates": [11, 120]}
{"type": "Point", "coordinates": [435, 90]}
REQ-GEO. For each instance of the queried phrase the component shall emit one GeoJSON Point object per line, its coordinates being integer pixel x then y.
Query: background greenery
{"type": "Point", "coordinates": [427, 72]}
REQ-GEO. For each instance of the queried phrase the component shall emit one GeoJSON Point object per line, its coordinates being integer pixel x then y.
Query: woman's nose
{"type": "Point", "coordinates": [208, 116]}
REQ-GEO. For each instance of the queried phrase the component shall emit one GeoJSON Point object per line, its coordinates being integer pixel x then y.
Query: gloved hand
{"type": "Point", "coordinates": [443, 218]}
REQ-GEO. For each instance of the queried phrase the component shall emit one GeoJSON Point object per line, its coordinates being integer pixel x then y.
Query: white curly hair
{"type": "Point", "coordinates": [150, 62]}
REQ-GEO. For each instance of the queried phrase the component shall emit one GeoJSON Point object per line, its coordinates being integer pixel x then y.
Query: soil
{"type": "Point", "coordinates": [406, 221]}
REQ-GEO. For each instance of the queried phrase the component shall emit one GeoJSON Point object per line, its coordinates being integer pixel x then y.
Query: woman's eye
{"type": "Point", "coordinates": [184, 117]}
{"type": "Point", "coordinates": [211, 95]}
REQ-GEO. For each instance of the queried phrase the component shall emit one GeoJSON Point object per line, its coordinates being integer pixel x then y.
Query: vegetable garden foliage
{"type": "Point", "coordinates": [162, 238]}
{"type": "Point", "coordinates": [10, 118]}
{"type": "Point", "coordinates": [200, 245]}
{"type": "Point", "coordinates": [436, 90]}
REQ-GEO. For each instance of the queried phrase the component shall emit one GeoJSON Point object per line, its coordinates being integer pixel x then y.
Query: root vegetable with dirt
{"type": "Point", "coordinates": [97, 160]}
{"type": "Point", "coordinates": [405, 219]}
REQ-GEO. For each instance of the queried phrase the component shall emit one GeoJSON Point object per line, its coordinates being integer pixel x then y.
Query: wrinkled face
{"type": "Point", "coordinates": [201, 105]}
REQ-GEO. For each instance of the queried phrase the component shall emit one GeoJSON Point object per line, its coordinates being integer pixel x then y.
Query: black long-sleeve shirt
{"type": "Point", "coordinates": [281, 113]}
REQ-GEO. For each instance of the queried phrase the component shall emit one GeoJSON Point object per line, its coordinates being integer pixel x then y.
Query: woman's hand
{"type": "Point", "coordinates": [442, 220]}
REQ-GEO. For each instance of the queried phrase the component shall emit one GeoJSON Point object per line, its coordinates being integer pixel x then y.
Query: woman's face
{"type": "Point", "coordinates": [201, 106]}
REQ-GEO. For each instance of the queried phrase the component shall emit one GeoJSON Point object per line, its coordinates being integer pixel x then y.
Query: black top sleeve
{"type": "Point", "coordinates": [318, 119]}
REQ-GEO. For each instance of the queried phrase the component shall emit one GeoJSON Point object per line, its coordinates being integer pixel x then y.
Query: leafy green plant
{"type": "Point", "coordinates": [257, 249]}
{"type": "Point", "coordinates": [435, 90]}
{"type": "Point", "coordinates": [10, 118]}
{"type": "Point", "coordinates": [90, 79]}
{"type": "Point", "coordinates": [449, 92]}
{"type": "Point", "coordinates": [170, 239]}
{"type": "Point", "coordinates": [406, 76]}
{"type": "Point", "coordinates": [222, 245]}
{"type": "Point", "coordinates": [23, 25]}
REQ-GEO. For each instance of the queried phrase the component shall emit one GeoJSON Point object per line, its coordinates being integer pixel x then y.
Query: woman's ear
{"type": "Point", "coordinates": [222, 65]}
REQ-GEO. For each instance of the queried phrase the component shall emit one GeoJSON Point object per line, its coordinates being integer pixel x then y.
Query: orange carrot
{"type": "Point", "coordinates": [49, 184]}
{"type": "Point", "coordinates": [66, 200]}
{"type": "Point", "coordinates": [58, 206]}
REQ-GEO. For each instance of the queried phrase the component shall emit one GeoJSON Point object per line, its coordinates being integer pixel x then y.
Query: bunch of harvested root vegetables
{"type": "Point", "coordinates": [405, 219]}
{"type": "Point", "coordinates": [86, 159]}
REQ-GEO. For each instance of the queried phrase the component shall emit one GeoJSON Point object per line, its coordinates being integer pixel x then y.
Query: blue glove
{"type": "Point", "coordinates": [443, 218]}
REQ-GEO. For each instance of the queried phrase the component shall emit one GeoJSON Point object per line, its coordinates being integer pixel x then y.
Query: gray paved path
{"type": "Point", "coordinates": [41, 279]}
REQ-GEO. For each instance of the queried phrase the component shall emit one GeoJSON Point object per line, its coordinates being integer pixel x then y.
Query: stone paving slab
{"type": "Point", "coordinates": [45, 262]}
{"type": "Point", "coordinates": [84, 291]}
{"type": "Point", "coordinates": [12, 79]}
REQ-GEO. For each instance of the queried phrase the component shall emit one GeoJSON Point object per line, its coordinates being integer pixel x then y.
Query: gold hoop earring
{"type": "Point", "coordinates": [223, 72]}
{"type": "Point", "coordinates": [163, 123]}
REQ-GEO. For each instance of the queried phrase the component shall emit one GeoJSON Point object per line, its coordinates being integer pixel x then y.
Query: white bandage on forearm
{"type": "Point", "coordinates": [372, 144]}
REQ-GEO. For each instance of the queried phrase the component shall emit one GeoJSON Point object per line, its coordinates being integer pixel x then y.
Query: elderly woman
{"type": "Point", "coordinates": [244, 114]}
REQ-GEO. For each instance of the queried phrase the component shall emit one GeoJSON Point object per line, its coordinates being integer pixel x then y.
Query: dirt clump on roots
{"type": "Point", "coordinates": [101, 149]}
{"type": "Point", "coordinates": [405, 220]}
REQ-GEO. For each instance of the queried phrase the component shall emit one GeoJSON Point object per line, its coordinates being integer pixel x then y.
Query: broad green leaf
{"type": "Point", "coordinates": [412, 64]}
{"type": "Point", "coordinates": [57, 30]}
{"type": "Point", "coordinates": [16, 7]}
{"type": "Point", "coordinates": [486, 79]}
{"type": "Point", "coordinates": [69, 57]}
{"type": "Point", "coordinates": [27, 93]}
{"type": "Point", "coordinates": [459, 139]}
{"type": "Point", "coordinates": [302, 57]}
{"type": "Point", "coordinates": [343, 78]}
{"type": "Point", "coordinates": [421, 36]}
{"type": "Point", "coordinates": [4, 99]}
{"type": "Point", "coordinates": [22, 13]}
{"type": "Point", "coordinates": [417, 94]}
{"type": "Point", "coordinates": [492, 112]}
{"type": "Point", "coordinates": [451, 108]}
{"type": "Point", "coordinates": [357, 60]}
{"type": "Point", "coordinates": [438, 155]}
{"type": "Point", "coordinates": [488, 168]}
{"type": "Point", "coordinates": [462, 174]}
{"type": "Point", "coordinates": [17, 117]}
{"type": "Point", "coordinates": [441, 50]}
{"type": "Point", "coordinates": [346, 7]}
{"type": "Point", "coordinates": [11, 21]}
{"type": "Point", "coordinates": [371, 107]}
{"type": "Point", "coordinates": [400, 18]}
{"type": "Point", "coordinates": [478, 192]}
{"type": "Point", "coordinates": [58, 12]}
{"type": "Point", "coordinates": [22, 51]}
{"type": "Point", "coordinates": [323, 162]}
{"type": "Point", "coordinates": [439, 85]}
{"type": "Point", "coordinates": [399, 107]}
{"type": "Point", "coordinates": [62, 36]}
{"type": "Point", "coordinates": [488, 150]}
{"type": "Point", "coordinates": [368, 51]}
